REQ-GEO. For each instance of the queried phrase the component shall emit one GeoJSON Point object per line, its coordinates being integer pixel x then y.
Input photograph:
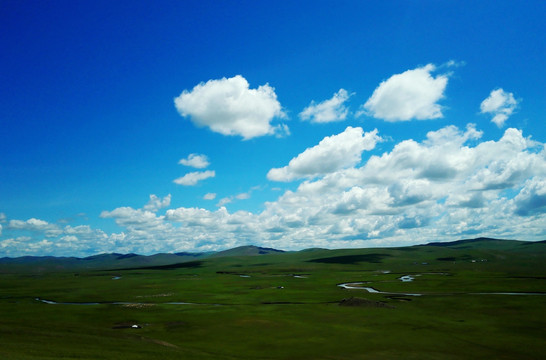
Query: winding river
{"type": "Point", "coordinates": [347, 286]}
{"type": "Point", "coordinates": [51, 302]}
{"type": "Point", "coordinates": [358, 286]}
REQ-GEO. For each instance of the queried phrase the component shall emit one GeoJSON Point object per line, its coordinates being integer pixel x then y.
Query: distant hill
{"type": "Point", "coordinates": [116, 261]}
{"type": "Point", "coordinates": [249, 250]}
{"type": "Point", "coordinates": [485, 243]}
{"type": "Point", "coordinates": [101, 261]}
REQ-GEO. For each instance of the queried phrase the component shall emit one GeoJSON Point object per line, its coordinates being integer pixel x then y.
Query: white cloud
{"type": "Point", "coordinates": [224, 201]}
{"type": "Point", "coordinates": [329, 110]}
{"type": "Point", "coordinates": [2, 217]}
{"type": "Point", "coordinates": [230, 107]}
{"type": "Point", "coordinates": [42, 237]}
{"type": "Point", "coordinates": [243, 196]}
{"type": "Point", "coordinates": [450, 185]}
{"type": "Point", "coordinates": [193, 178]}
{"type": "Point", "coordinates": [229, 199]}
{"type": "Point", "coordinates": [137, 220]}
{"type": "Point", "coordinates": [435, 189]}
{"type": "Point", "coordinates": [500, 104]}
{"type": "Point", "coordinates": [209, 196]}
{"type": "Point", "coordinates": [331, 154]}
{"type": "Point", "coordinates": [412, 94]}
{"type": "Point", "coordinates": [15, 246]}
{"type": "Point", "coordinates": [157, 203]}
{"type": "Point", "coordinates": [532, 198]}
{"type": "Point", "coordinates": [83, 238]}
{"type": "Point", "coordinates": [35, 225]}
{"type": "Point", "coordinates": [197, 161]}
{"type": "Point", "coordinates": [30, 224]}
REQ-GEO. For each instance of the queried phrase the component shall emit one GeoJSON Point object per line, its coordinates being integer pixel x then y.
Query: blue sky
{"type": "Point", "coordinates": [191, 126]}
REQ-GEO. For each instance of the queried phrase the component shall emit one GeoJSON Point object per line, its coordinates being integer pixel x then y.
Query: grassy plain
{"type": "Point", "coordinates": [287, 306]}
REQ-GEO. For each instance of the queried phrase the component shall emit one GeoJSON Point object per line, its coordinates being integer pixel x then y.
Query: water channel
{"type": "Point", "coordinates": [358, 286]}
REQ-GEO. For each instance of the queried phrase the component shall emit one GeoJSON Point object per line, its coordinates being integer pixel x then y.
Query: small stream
{"type": "Point", "coordinates": [51, 302]}
{"type": "Point", "coordinates": [347, 286]}
{"type": "Point", "coordinates": [358, 286]}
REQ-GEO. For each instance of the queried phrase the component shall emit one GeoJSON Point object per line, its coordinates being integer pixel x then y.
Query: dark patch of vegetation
{"type": "Point", "coordinates": [398, 298]}
{"type": "Point", "coordinates": [176, 325]}
{"type": "Point", "coordinates": [527, 243]}
{"type": "Point", "coordinates": [281, 303]}
{"type": "Point", "coordinates": [126, 325]}
{"type": "Point", "coordinates": [188, 264]}
{"type": "Point", "coordinates": [450, 258]}
{"type": "Point", "coordinates": [357, 301]}
{"type": "Point", "coordinates": [453, 258]}
{"type": "Point", "coordinates": [232, 273]}
{"type": "Point", "coordinates": [407, 248]}
{"type": "Point", "coordinates": [352, 259]}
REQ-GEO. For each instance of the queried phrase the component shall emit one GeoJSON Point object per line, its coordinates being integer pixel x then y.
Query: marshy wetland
{"type": "Point", "coordinates": [296, 305]}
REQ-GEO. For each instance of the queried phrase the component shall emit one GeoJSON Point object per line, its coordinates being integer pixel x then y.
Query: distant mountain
{"type": "Point", "coordinates": [249, 250]}
{"type": "Point", "coordinates": [116, 261]}
{"type": "Point", "coordinates": [482, 243]}
{"type": "Point", "coordinates": [200, 254]}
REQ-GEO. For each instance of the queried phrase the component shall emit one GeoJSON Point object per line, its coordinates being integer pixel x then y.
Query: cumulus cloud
{"type": "Point", "coordinates": [230, 199]}
{"type": "Point", "coordinates": [157, 203]}
{"type": "Point", "coordinates": [450, 185]}
{"type": "Point", "coordinates": [230, 107]}
{"type": "Point", "coordinates": [500, 104]}
{"type": "Point", "coordinates": [331, 154]}
{"type": "Point", "coordinates": [136, 219]}
{"type": "Point", "coordinates": [35, 225]}
{"type": "Point", "coordinates": [224, 201]}
{"type": "Point", "coordinates": [191, 179]}
{"type": "Point", "coordinates": [532, 198]}
{"type": "Point", "coordinates": [243, 196]}
{"type": "Point", "coordinates": [412, 94]}
{"type": "Point", "coordinates": [328, 110]}
{"type": "Point", "coordinates": [438, 188]}
{"type": "Point", "coordinates": [2, 217]}
{"type": "Point", "coordinates": [15, 246]}
{"type": "Point", "coordinates": [209, 196]}
{"type": "Point", "coordinates": [197, 161]}
{"type": "Point", "coordinates": [41, 237]}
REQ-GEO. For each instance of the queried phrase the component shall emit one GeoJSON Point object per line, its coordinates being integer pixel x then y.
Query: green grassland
{"type": "Point", "coordinates": [285, 306]}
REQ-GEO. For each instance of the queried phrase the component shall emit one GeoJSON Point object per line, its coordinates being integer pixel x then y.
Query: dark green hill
{"type": "Point", "coordinates": [249, 250]}
{"type": "Point", "coordinates": [481, 243]}
{"type": "Point", "coordinates": [467, 250]}
{"type": "Point", "coordinates": [115, 261]}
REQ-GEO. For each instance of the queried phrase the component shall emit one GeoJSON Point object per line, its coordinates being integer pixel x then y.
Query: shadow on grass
{"type": "Point", "coordinates": [457, 258]}
{"type": "Point", "coordinates": [352, 259]}
{"type": "Point", "coordinates": [188, 264]}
